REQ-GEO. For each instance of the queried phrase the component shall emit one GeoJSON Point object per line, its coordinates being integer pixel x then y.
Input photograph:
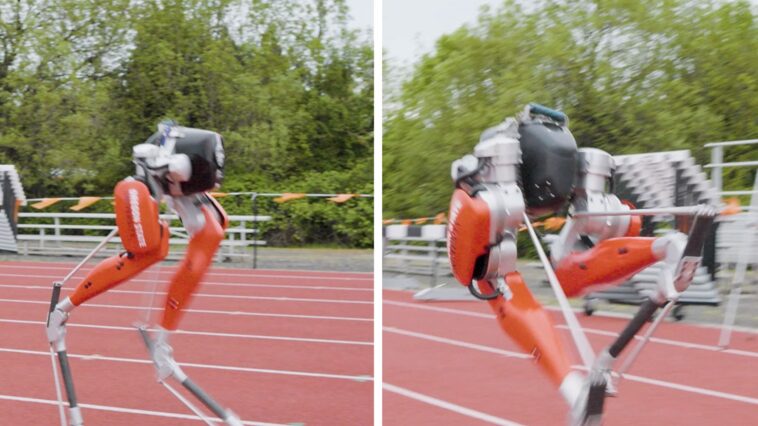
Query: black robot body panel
{"type": "Point", "coordinates": [549, 155]}
{"type": "Point", "coordinates": [205, 150]}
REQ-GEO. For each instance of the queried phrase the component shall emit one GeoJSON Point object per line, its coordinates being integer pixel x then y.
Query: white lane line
{"type": "Point", "coordinates": [211, 295]}
{"type": "Point", "coordinates": [127, 410]}
{"type": "Point", "coordinates": [458, 343]}
{"type": "Point", "coordinates": [672, 342]}
{"type": "Point", "coordinates": [621, 315]}
{"type": "Point", "coordinates": [659, 340]}
{"type": "Point", "coordinates": [692, 389]}
{"type": "Point", "coordinates": [171, 269]}
{"type": "Point", "coordinates": [97, 357]}
{"type": "Point", "coordinates": [646, 380]}
{"type": "Point", "coordinates": [203, 333]}
{"type": "Point", "coordinates": [468, 412]}
{"type": "Point", "coordinates": [208, 283]}
{"type": "Point", "coordinates": [685, 388]}
{"type": "Point", "coordinates": [606, 314]}
{"type": "Point", "coordinates": [438, 309]}
{"type": "Point", "coordinates": [217, 267]}
{"type": "Point", "coordinates": [203, 311]}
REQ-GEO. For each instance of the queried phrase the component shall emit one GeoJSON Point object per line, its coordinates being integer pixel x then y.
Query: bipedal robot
{"type": "Point", "coordinates": [528, 167]}
{"type": "Point", "coordinates": [178, 165]}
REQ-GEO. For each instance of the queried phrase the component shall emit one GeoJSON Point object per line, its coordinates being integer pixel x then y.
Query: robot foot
{"type": "Point", "coordinates": [603, 366]}
{"type": "Point", "coordinates": [162, 355]}
{"type": "Point", "coordinates": [588, 408]}
{"type": "Point", "coordinates": [231, 419]}
{"type": "Point", "coordinates": [166, 367]}
{"type": "Point", "coordinates": [610, 387]}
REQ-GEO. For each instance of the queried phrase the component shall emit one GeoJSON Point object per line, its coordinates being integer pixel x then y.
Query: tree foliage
{"type": "Point", "coordinates": [632, 75]}
{"type": "Point", "coordinates": [287, 83]}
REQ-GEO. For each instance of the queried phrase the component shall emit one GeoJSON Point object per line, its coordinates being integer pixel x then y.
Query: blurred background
{"type": "Point", "coordinates": [288, 83]}
{"type": "Point", "coordinates": [633, 76]}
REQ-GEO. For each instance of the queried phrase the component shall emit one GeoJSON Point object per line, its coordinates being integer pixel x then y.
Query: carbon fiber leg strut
{"type": "Point", "coordinates": [644, 314]}
{"type": "Point", "coordinates": [690, 260]}
{"type": "Point", "coordinates": [58, 348]}
{"type": "Point", "coordinates": [167, 367]}
{"type": "Point", "coordinates": [606, 358]}
{"type": "Point", "coordinates": [75, 414]}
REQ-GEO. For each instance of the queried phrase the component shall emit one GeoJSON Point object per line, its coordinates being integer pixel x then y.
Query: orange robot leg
{"type": "Point", "coordinates": [144, 237]}
{"type": "Point", "coordinates": [523, 319]}
{"type": "Point", "coordinates": [609, 262]}
{"type": "Point", "coordinates": [197, 260]}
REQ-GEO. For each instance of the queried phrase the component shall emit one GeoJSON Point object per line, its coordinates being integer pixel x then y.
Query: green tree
{"type": "Point", "coordinates": [286, 82]}
{"type": "Point", "coordinates": [633, 76]}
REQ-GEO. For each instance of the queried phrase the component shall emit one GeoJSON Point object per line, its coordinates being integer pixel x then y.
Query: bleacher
{"type": "Point", "coordinates": [12, 197]}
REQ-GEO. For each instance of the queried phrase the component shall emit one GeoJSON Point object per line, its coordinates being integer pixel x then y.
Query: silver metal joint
{"type": "Point", "coordinates": [503, 155]}
{"type": "Point", "coordinates": [163, 358]}
{"type": "Point", "coordinates": [232, 419]}
{"type": "Point", "coordinates": [594, 170]}
{"type": "Point", "coordinates": [75, 415]}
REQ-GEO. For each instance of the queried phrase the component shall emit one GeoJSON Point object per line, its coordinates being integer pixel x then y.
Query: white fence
{"type": "Point", "coordinates": [418, 250]}
{"type": "Point", "coordinates": [736, 239]}
{"type": "Point", "coordinates": [736, 242]}
{"type": "Point", "coordinates": [56, 238]}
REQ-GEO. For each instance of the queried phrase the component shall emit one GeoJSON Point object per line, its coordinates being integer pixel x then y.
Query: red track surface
{"type": "Point", "coordinates": [449, 363]}
{"type": "Point", "coordinates": [275, 346]}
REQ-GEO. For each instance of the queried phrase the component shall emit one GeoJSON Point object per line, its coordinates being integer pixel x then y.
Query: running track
{"type": "Point", "coordinates": [278, 347]}
{"type": "Point", "coordinates": [449, 363]}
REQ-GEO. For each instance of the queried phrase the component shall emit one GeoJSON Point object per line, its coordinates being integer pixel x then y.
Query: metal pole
{"type": "Point", "coordinates": [433, 247]}
{"type": "Point", "coordinates": [57, 222]}
{"type": "Point", "coordinates": [717, 157]}
{"type": "Point", "coordinates": [684, 210]}
{"type": "Point", "coordinates": [257, 229]}
{"type": "Point", "coordinates": [243, 237]}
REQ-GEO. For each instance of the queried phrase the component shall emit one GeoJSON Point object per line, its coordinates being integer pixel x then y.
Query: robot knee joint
{"type": "Point", "coordinates": [213, 231]}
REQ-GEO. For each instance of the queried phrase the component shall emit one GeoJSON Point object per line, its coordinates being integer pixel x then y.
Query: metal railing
{"type": "Point", "coordinates": [733, 230]}
{"type": "Point", "coordinates": [717, 164]}
{"type": "Point", "coordinates": [66, 235]}
{"type": "Point", "coordinates": [737, 240]}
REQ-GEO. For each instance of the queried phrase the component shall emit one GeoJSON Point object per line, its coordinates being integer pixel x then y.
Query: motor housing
{"type": "Point", "coordinates": [205, 150]}
{"type": "Point", "coordinates": [548, 153]}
